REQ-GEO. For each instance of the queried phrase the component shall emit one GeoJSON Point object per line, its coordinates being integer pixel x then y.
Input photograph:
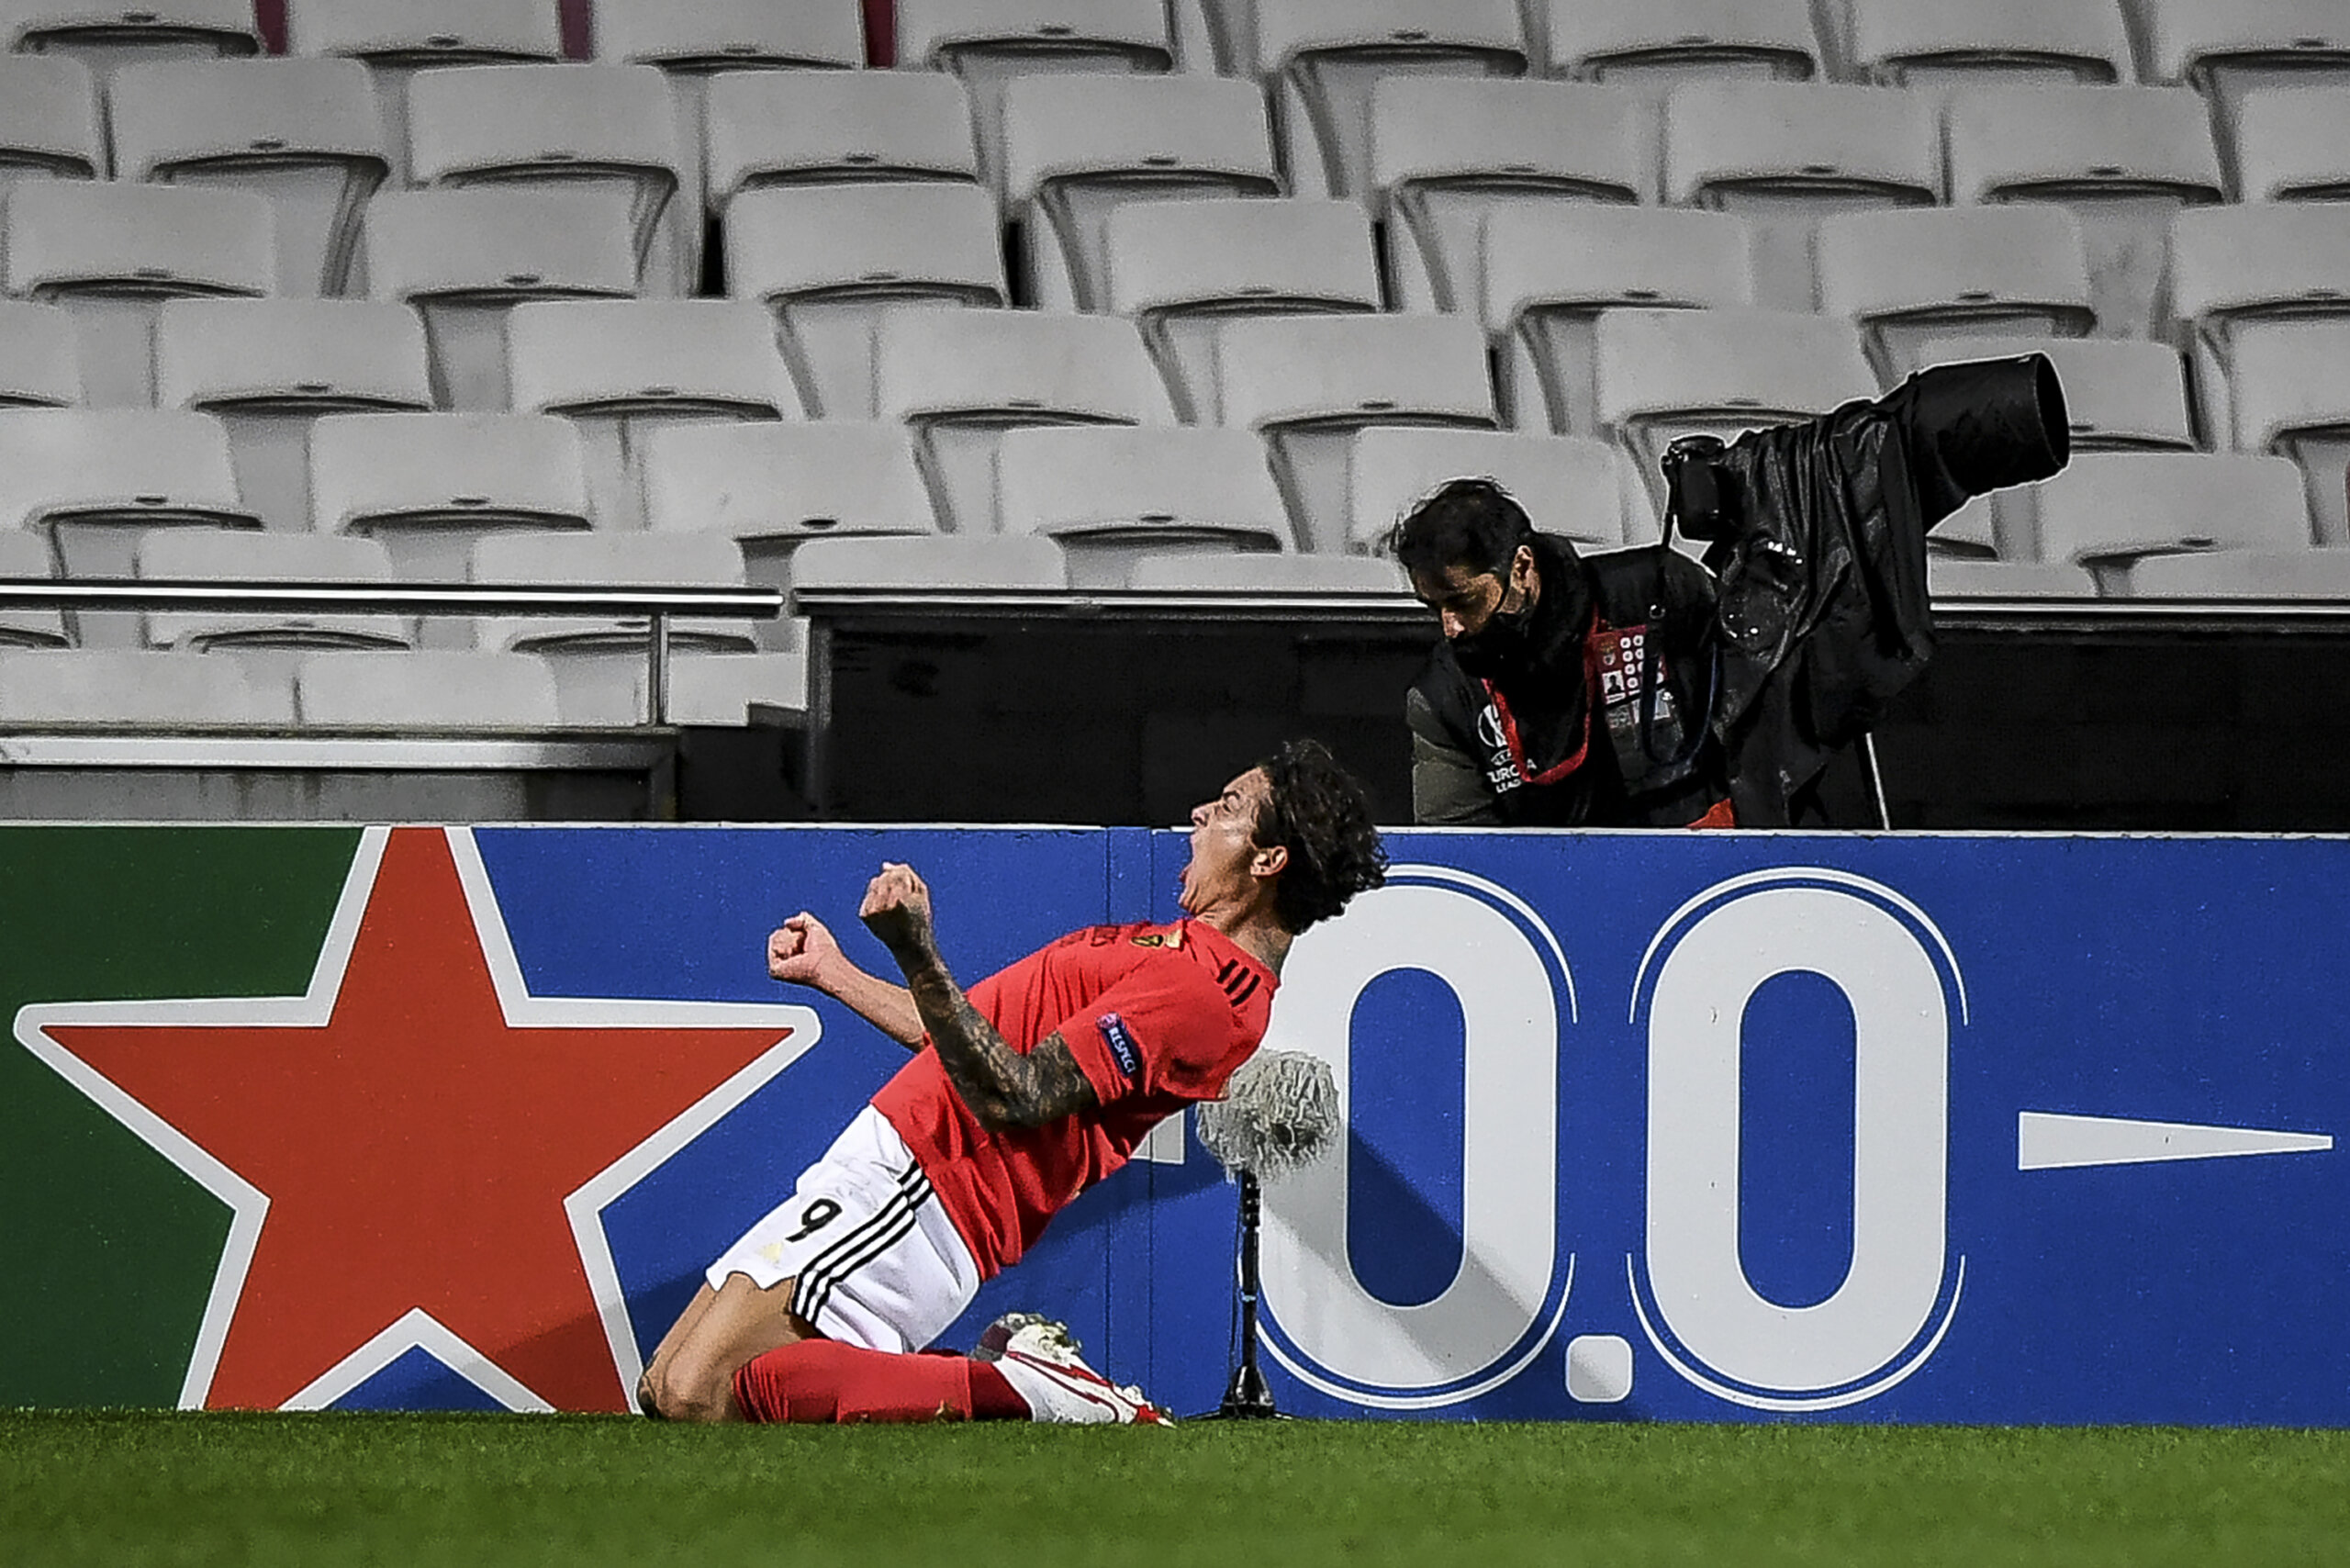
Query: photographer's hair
{"type": "Point", "coordinates": [1471, 524]}
{"type": "Point", "coordinates": [1321, 814]}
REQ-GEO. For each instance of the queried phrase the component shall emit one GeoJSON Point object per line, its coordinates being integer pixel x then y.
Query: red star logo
{"type": "Point", "coordinates": [417, 1151]}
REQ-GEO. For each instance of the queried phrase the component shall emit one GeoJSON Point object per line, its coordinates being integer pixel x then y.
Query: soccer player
{"type": "Point", "coordinates": [1025, 1091]}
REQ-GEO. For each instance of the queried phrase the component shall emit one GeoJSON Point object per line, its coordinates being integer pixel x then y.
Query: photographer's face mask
{"type": "Point", "coordinates": [1497, 641]}
{"type": "Point", "coordinates": [1496, 648]}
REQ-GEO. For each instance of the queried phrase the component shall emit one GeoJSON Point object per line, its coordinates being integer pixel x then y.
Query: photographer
{"type": "Point", "coordinates": [1635, 690]}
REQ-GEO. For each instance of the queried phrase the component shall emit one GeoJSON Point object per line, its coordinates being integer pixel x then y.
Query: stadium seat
{"type": "Point", "coordinates": [430, 486]}
{"type": "Point", "coordinates": [269, 368]}
{"type": "Point", "coordinates": [597, 662]}
{"type": "Point", "coordinates": [692, 41]}
{"type": "Point", "coordinates": [397, 42]}
{"type": "Point", "coordinates": [1547, 272]}
{"type": "Point", "coordinates": [2226, 49]}
{"type": "Point", "coordinates": [2239, 574]}
{"type": "Point", "coordinates": [49, 120]}
{"type": "Point", "coordinates": [1784, 154]}
{"type": "Point", "coordinates": [1569, 485]}
{"type": "Point", "coordinates": [2239, 272]}
{"type": "Point", "coordinates": [1445, 151]}
{"type": "Point", "coordinates": [1078, 147]}
{"type": "Point", "coordinates": [773, 488]}
{"type": "Point", "coordinates": [1183, 571]}
{"type": "Point", "coordinates": [987, 43]}
{"type": "Point", "coordinates": [23, 553]}
{"type": "Point", "coordinates": [105, 37]}
{"type": "Point", "coordinates": [1909, 278]}
{"type": "Point", "coordinates": [2121, 395]}
{"type": "Point", "coordinates": [1664, 374]}
{"type": "Point", "coordinates": [574, 126]}
{"type": "Point", "coordinates": [620, 369]}
{"type": "Point", "coordinates": [957, 379]}
{"type": "Point", "coordinates": [40, 366]}
{"type": "Point", "coordinates": [1192, 272]}
{"type": "Point", "coordinates": [1958, 576]}
{"type": "Point", "coordinates": [95, 481]}
{"type": "Point", "coordinates": [941, 561]}
{"type": "Point", "coordinates": [1652, 42]}
{"type": "Point", "coordinates": [2122, 160]}
{"type": "Point", "coordinates": [799, 128]}
{"type": "Point", "coordinates": [137, 689]}
{"type": "Point", "coordinates": [826, 260]}
{"type": "Point", "coordinates": [722, 688]}
{"type": "Point", "coordinates": [1319, 60]}
{"type": "Point", "coordinates": [464, 258]}
{"type": "Point", "coordinates": [1308, 382]}
{"type": "Point", "coordinates": [110, 253]}
{"type": "Point", "coordinates": [2292, 397]}
{"type": "Point", "coordinates": [2107, 509]}
{"type": "Point", "coordinates": [242, 555]}
{"type": "Point", "coordinates": [1929, 43]}
{"type": "Point", "coordinates": [307, 134]}
{"type": "Point", "coordinates": [431, 689]}
{"type": "Point", "coordinates": [2293, 144]}
{"type": "Point", "coordinates": [1110, 496]}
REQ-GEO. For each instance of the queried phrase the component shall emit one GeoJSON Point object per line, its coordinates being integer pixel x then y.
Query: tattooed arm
{"type": "Point", "coordinates": [1004, 1088]}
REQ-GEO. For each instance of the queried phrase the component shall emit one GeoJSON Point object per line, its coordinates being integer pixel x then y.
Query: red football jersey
{"type": "Point", "coordinates": [1156, 1016]}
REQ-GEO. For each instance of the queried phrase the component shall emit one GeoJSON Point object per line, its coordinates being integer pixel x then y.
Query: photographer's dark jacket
{"type": "Point", "coordinates": [1818, 619]}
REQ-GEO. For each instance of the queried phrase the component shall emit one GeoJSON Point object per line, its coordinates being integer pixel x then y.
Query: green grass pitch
{"type": "Point", "coordinates": [123, 1488]}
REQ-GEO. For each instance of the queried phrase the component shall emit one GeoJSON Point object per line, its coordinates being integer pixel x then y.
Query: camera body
{"type": "Point", "coordinates": [1702, 492]}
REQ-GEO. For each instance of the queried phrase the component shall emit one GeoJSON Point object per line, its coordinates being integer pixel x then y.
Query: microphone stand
{"type": "Point", "coordinates": [1246, 1397]}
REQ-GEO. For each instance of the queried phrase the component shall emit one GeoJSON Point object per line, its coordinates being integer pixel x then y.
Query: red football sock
{"type": "Point", "coordinates": [825, 1381]}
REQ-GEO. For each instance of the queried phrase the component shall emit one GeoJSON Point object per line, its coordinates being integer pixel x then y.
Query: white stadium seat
{"type": "Point", "coordinates": [2121, 394]}
{"type": "Point", "coordinates": [432, 689]}
{"type": "Point", "coordinates": [569, 126]}
{"type": "Point", "coordinates": [135, 688]}
{"type": "Point", "coordinates": [1309, 383]}
{"type": "Point", "coordinates": [464, 258]}
{"type": "Point", "coordinates": [1570, 485]}
{"type": "Point", "coordinates": [1657, 41]}
{"type": "Point", "coordinates": [269, 368]}
{"type": "Point", "coordinates": [827, 260]}
{"type": "Point", "coordinates": [724, 688]}
{"type": "Point", "coordinates": [780, 127]}
{"type": "Point", "coordinates": [2240, 573]}
{"type": "Point", "coordinates": [110, 253]}
{"type": "Point", "coordinates": [959, 380]}
{"type": "Point", "coordinates": [1928, 42]}
{"type": "Point", "coordinates": [2123, 159]}
{"type": "Point", "coordinates": [2239, 272]}
{"type": "Point", "coordinates": [1192, 272]}
{"type": "Point", "coordinates": [1320, 59]}
{"type": "Point", "coordinates": [2292, 396]}
{"type": "Point", "coordinates": [1963, 578]}
{"type": "Point", "coordinates": [1907, 277]}
{"type": "Point", "coordinates": [1664, 374]}
{"type": "Point", "coordinates": [2105, 510]}
{"type": "Point", "coordinates": [939, 561]}
{"type": "Point", "coordinates": [1784, 154]}
{"type": "Point", "coordinates": [242, 555]}
{"type": "Point", "coordinates": [429, 486]}
{"type": "Point", "coordinates": [2227, 48]}
{"type": "Point", "coordinates": [106, 37]}
{"type": "Point", "coordinates": [1548, 272]}
{"type": "Point", "coordinates": [1111, 495]}
{"type": "Point", "coordinates": [2293, 144]}
{"type": "Point", "coordinates": [397, 42]}
{"type": "Point", "coordinates": [307, 134]}
{"type": "Point", "coordinates": [620, 369]}
{"type": "Point", "coordinates": [23, 553]}
{"type": "Point", "coordinates": [40, 365]}
{"type": "Point", "coordinates": [49, 128]}
{"type": "Point", "coordinates": [1448, 152]}
{"type": "Point", "coordinates": [1076, 147]}
{"type": "Point", "coordinates": [1180, 571]}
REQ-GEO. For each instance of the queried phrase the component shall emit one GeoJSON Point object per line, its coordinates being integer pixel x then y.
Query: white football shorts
{"type": "Point", "coordinates": [875, 1259]}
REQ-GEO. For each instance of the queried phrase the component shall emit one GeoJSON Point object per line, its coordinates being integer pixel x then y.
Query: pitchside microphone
{"type": "Point", "coordinates": [1279, 1114]}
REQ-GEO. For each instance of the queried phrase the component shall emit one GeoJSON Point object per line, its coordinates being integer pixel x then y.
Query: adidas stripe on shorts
{"type": "Point", "coordinates": [876, 1259]}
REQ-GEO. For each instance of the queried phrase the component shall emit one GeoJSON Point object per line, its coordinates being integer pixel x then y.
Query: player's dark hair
{"type": "Point", "coordinates": [1471, 524]}
{"type": "Point", "coordinates": [1321, 814]}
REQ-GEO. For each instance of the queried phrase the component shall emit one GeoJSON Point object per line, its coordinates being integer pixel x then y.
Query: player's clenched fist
{"type": "Point", "coordinates": [897, 908]}
{"type": "Point", "coordinates": [801, 951]}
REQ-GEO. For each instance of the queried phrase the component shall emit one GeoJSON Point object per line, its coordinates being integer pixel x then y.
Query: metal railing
{"type": "Point", "coordinates": [658, 605]}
